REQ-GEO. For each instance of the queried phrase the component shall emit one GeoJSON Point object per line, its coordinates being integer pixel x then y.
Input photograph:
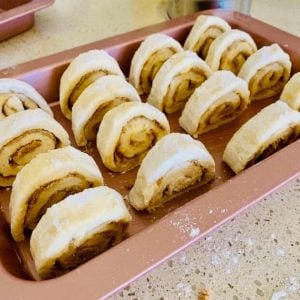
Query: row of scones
{"type": "Point", "coordinates": [57, 189]}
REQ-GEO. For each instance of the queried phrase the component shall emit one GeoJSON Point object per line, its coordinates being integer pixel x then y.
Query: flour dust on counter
{"type": "Point", "coordinates": [260, 247]}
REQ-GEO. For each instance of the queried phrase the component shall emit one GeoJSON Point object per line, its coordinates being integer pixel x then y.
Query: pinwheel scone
{"type": "Point", "coordinates": [291, 92]}
{"type": "Point", "coordinates": [82, 71]}
{"type": "Point", "coordinates": [61, 172]}
{"type": "Point", "coordinates": [23, 136]}
{"type": "Point", "coordinates": [148, 59]}
{"type": "Point", "coordinates": [78, 228]}
{"type": "Point", "coordinates": [271, 129]}
{"type": "Point", "coordinates": [174, 165]}
{"type": "Point", "coordinates": [95, 101]}
{"type": "Point", "coordinates": [205, 30]}
{"type": "Point", "coordinates": [266, 72]}
{"type": "Point", "coordinates": [17, 95]}
{"type": "Point", "coordinates": [219, 100]}
{"type": "Point", "coordinates": [176, 80]}
{"type": "Point", "coordinates": [128, 132]}
{"type": "Point", "coordinates": [230, 50]}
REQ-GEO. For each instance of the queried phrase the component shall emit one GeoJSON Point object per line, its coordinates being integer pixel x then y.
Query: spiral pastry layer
{"type": "Point", "coordinates": [230, 50]}
{"type": "Point", "coordinates": [61, 172]}
{"type": "Point", "coordinates": [17, 95]}
{"type": "Point", "coordinates": [176, 80]}
{"type": "Point", "coordinates": [78, 228]}
{"type": "Point", "coordinates": [128, 132]}
{"type": "Point", "coordinates": [271, 129]}
{"type": "Point", "coordinates": [219, 100]}
{"type": "Point", "coordinates": [205, 30]}
{"type": "Point", "coordinates": [23, 136]}
{"type": "Point", "coordinates": [266, 72]}
{"type": "Point", "coordinates": [148, 59]}
{"type": "Point", "coordinates": [82, 71]}
{"type": "Point", "coordinates": [96, 100]}
{"type": "Point", "coordinates": [291, 92]}
{"type": "Point", "coordinates": [173, 166]}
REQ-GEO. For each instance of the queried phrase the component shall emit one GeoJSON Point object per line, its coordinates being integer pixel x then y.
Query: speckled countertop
{"type": "Point", "coordinates": [256, 255]}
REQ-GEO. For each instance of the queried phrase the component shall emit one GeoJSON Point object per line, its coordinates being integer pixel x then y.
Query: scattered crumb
{"type": "Point", "coordinates": [184, 290]}
{"type": "Point", "coordinates": [279, 295]}
{"type": "Point", "coordinates": [280, 251]}
{"type": "Point", "coordinates": [235, 259]}
{"type": "Point", "coordinates": [194, 232]}
{"type": "Point", "coordinates": [292, 284]}
{"type": "Point", "coordinates": [215, 260]}
{"type": "Point", "coordinates": [203, 295]}
{"type": "Point", "coordinates": [186, 226]}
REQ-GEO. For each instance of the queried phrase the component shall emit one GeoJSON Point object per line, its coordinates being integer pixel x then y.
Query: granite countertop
{"type": "Point", "coordinates": [257, 254]}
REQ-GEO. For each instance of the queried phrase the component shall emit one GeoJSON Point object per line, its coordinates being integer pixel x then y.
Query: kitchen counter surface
{"type": "Point", "coordinates": [257, 254]}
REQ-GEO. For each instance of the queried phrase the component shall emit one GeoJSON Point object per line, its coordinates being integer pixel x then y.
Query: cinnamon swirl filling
{"type": "Point", "coordinates": [152, 66]}
{"type": "Point", "coordinates": [20, 150]}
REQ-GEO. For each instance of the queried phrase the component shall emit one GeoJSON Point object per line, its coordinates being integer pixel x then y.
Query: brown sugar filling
{"type": "Point", "coordinates": [268, 81]}
{"type": "Point", "coordinates": [93, 246]}
{"type": "Point", "coordinates": [51, 193]}
{"type": "Point", "coordinates": [138, 136]}
{"type": "Point", "coordinates": [6, 181]}
{"type": "Point", "coordinates": [286, 138]}
{"type": "Point", "coordinates": [209, 35]}
{"type": "Point", "coordinates": [92, 126]}
{"type": "Point", "coordinates": [83, 83]}
{"type": "Point", "coordinates": [152, 66]}
{"type": "Point", "coordinates": [181, 88]}
{"type": "Point", "coordinates": [235, 56]}
{"type": "Point", "coordinates": [19, 156]}
{"type": "Point", "coordinates": [12, 103]}
{"type": "Point", "coordinates": [222, 112]}
{"type": "Point", "coordinates": [16, 153]}
{"type": "Point", "coordinates": [179, 181]}
{"type": "Point", "coordinates": [20, 150]}
{"type": "Point", "coordinates": [24, 150]}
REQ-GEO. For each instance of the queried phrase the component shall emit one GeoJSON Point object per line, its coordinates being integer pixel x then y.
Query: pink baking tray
{"type": "Point", "coordinates": [152, 238]}
{"type": "Point", "coordinates": [17, 16]}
